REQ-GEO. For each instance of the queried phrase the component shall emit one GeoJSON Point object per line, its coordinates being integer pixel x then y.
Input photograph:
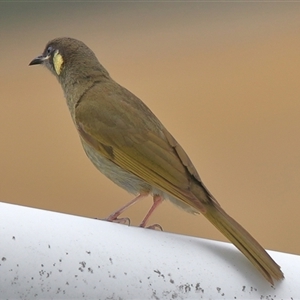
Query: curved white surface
{"type": "Point", "coordinates": [48, 255]}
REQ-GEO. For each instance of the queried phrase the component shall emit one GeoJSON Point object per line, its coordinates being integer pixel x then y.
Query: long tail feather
{"type": "Point", "coordinates": [244, 242]}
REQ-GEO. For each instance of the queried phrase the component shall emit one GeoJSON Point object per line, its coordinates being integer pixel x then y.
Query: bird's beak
{"type": "Point", "coordinates": [38, 60]}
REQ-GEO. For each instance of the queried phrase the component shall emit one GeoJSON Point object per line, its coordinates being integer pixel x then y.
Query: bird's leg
{"type": "Point", "coordinates": [114, 216]}
{"type": "Point", "coordinates": [157, 199]}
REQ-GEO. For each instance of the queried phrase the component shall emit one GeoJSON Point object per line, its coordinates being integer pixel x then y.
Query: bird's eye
{"type": "Point", "coordinates": [49, 50]}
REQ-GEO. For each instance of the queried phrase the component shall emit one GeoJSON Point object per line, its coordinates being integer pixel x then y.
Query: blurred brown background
{"type": "Point", "coordinates": [222, 77]}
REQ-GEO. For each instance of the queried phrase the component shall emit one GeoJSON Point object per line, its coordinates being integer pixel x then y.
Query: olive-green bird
{"type": "Point", "coordinates": [129, 145]}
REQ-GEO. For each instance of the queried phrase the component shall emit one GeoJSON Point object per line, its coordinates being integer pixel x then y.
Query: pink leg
{"type": "Point", "coordinates": [114, 216]}
{"type": "Point", "coordinates": [157, 199]}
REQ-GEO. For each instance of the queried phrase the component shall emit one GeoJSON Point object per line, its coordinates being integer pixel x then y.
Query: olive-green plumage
{"type": "Point", "coordinates": [129, 145]}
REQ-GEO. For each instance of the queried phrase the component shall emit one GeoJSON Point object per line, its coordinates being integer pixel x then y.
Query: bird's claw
{"type": "Point", "coordinates": [124, 221]}
{"type": "Point", "coordinates": [154, 227]}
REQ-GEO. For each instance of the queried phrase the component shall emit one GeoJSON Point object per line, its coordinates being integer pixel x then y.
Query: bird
{"type": "Point", "coordinates": [128, 144]}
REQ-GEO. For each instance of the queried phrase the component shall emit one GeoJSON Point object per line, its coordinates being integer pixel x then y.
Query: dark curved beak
{"type": "Point", "coordinates": [38, 60]}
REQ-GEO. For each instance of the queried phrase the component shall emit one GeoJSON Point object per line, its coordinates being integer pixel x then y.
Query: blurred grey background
{"type": "Point", "coordinates": [222, 77]}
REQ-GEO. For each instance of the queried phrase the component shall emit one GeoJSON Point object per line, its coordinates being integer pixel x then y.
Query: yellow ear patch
{"type": "Point", "coordinates": [57, 62]}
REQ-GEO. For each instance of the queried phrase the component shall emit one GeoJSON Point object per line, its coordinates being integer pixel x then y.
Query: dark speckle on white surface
{"type": "Point", "coordinates": [32, 271]}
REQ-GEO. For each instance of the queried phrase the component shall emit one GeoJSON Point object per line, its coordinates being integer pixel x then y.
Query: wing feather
{"type": "Point", "coordinates": [136, 144]}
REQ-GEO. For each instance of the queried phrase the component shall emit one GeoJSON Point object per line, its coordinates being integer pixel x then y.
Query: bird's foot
{"type": "Point", "coordinates": [154, 227]}
{"type": "Point", "coordinates": [124, 221]}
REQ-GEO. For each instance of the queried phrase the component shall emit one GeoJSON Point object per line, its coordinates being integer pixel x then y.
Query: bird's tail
{"type": "Point", "coordinates": [244, 242]}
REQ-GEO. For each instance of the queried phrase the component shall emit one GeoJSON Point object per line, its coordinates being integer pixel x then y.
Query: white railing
{"type": "Point", "coordinates": [48, 255]}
